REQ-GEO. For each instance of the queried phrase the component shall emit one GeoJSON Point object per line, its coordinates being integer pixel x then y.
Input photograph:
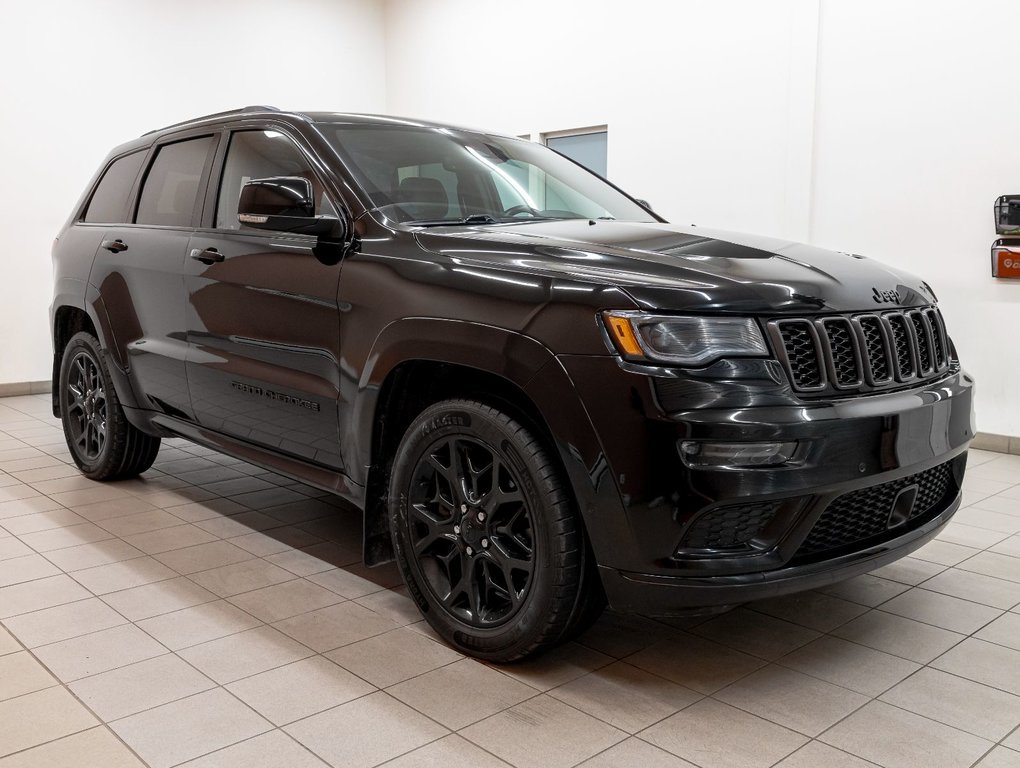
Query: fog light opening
{"type": "Point", "coordinates": [699, 454]}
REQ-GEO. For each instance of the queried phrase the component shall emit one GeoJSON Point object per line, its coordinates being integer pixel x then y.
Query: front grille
{"type": "Point", "coordinates": [865, 514]}
{"type": "Point", "coordinates": [864, 352]}
{"type": "Point", "coordinates": [728, 528]}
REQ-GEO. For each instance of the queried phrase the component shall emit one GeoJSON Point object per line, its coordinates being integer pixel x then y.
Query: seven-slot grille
{"type": "Point", "coordinates": [862, 352]}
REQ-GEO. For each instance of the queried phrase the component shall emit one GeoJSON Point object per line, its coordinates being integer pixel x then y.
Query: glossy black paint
{"type": "Point", "coordinates": [277, 350]}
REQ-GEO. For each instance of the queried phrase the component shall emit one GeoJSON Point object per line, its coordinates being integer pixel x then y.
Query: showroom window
{"type": "Point", "coordinates": [588, 146]}
{"type": "Point", "coordinates": [109, 203]}
{"type": "Point", "coordinates": [171, 186]}
{"type": "Point", "coordinates": [261, 155]}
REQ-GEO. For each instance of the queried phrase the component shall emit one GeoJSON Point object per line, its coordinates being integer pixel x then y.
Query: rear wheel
{"type": "Point", "coordinates": [103, 444]}
{"type": "Point", "coordinates": [485, 532]}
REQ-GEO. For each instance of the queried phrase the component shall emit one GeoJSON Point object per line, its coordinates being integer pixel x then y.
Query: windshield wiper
{"type": "Point", "coordinates": [476, 218]}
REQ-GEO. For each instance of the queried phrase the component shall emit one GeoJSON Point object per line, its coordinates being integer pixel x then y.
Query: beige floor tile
{"type": "Point", "coordinates": [1013, 740]}
{"type": "Point", "coordinates": [941, 610]}
{"type": "Point", "coordinates": [543, 732]}
{"type": "Point", "coordinates": [11, 547]}
{"type": "Point", "coordinates": [944, 552]}
{"type": "Point", "coordinates": [450, 751]}
{"type": "Point", "coordinates": [234, 579]}
{"type": "Point", "coordinates": [958, 702]}
{"type": "Point", "coordinates": [393, 657]}
{"type": "Point", "coordinates": [1005, 504]}
{"type": "Point", "coordinates": [7, 642]}
{"type": "Point", "coordinates": [178, 497]}
{"type": "Point", "coordinates": [274, 749]}
{"type": "Point", "coordinates": [158, 598]}
{"type": "Point", "coordinates": [755, 633]}
{"type": "Point", "coordinates": [203, 557]}
{"type": "Point", "coordinates": [198, 624]}
{"type": "Point", "coordinates": [195, 511]}
{"type": "Point", "coordinates": [1005, 630]}
{"type": "Point", "coordinates": [994, 564]}
{"type": "Point", "coordinates": [1000, 757]}
{"type": "Point", "coordinates": [282, 601]}
{"type": "Point", "coordinates": [189, 728]}
{"type": "Point", "coordinates": [69, 536]}
{"type": "Point", "coordinates": [122, 575]}
{"type": "Point", "coordinates": [302, 563]}
{"type": "Point", "coordinates": [20, 673]}
{"type": "Point", "coordinates": [28, 568]}
{"type": "Point", "coordinates": [869, 590]}
{"type": "Point", "coordinates": [98, 652]}
{"type": "Point", "coordinates": [986, 590]}
{"type": "Point", "coordinates": [716, 735]}
{"type": "Point", "coordinates": [556, 666]}
{"type": "Point", "coordinates": [273, 542]}
{"type": "Point", "coordinates": [273, 497]}
{"type": "Point", "coordinates": [635, 752]}
{"type": "Point", "coordinates": [42, 521]}
{"type": "Point", "coordinates": [620, 635]}
{"type": "Point", "coordinates": [140, 522]}
{"type": "Point", "coordinates": [792, 699]}
{"type": "Point", "coordinates": [461, 693]}
{"type": "Point", "coordinates": [899, 636]}
{"type": "Point", "coordinates": [63, 622]}
{"type": "Point", "coordinates": [94, 748]}
{"type": "Point", "coordinates": [969, 536]}
{"type": "Point", "coordinates": [88, 496]}
{"type": "Point", "coordinates": [626, 697]}
{"type": "Point", "coordinates": [394, 604]}
{"type": "Point", "coordinates": [895, 738]}
{"type": "Point", "coordinates": [17, 492]}
{"type": "Point", "coordinates": [365, 732]}
{"type": "Point", "coordinates": [992, 521]}
{"type": "Point", "coordinates": [297, 690]}
{"type": "Point", "coordinates": [345, 583]}
{"type": "Point", "coordinates": [17, 508]}
{"type": "Point", "coordinates": [76, 482]}
{"type": "Point", "coordinates": [245, 653]}
{"type": "Point", "coordinates": [850, 665]}
{"type": "Point", "coordinates": [334, 626]}
{"type": "Point", "coordinates": [815, 754]}
{"type": "Point", "coordinates": [106, 510]}
{"type": "Point", "coordinates": [167, 539]}
{"type": "Point", "coordinates": [1009, 546]}
{"type": "Point", "coordinates": [909, 570]}
{"type": "Point", "coordinates": [36, 718]}
{"type": "Point", "coordinates": [702, 665]}
{"type": "Point", "coordinates": [91, 555]}
{"type": "Point", "coordinates": [226, 527]}
{"type": "Point", "coordinates": [137, 687]}
{"type": "Point", "coordinates": [983, 662]}
{"type": "Point", "coordinates": [36, 595]}
{"type": "Point", "coordinates": [814, 610]}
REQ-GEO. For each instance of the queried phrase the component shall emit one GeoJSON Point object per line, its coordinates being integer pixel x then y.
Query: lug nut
{"type": "Point", "coordinates": [463, 507]}
{"type": "Point", "coordinates": [485, 543]}
{"type": "Point", "coordinates": [456, 529]}
{"type": "Point", "coordinates": [481, 517]}
{"type": "Point", "coordinates": [470, 551]}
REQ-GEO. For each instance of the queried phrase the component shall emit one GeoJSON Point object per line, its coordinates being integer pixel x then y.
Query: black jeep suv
{"type": "Point", "coordinates": [540, 393]}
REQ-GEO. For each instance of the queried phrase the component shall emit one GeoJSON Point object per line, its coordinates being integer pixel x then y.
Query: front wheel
{"type": "Point", "coordinates": [485, 532]}
{"type": "Point", "coordinates": [103, 444]}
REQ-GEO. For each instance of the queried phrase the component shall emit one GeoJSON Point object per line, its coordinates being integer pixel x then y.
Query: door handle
{"type": "Point", "coordinates": [206, 256]}
{"type": "Point", "coordinates": [115, 246]}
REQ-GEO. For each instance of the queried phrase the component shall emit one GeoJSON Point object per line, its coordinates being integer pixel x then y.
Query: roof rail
{"type": "Point", "coordinates": [240, 111]}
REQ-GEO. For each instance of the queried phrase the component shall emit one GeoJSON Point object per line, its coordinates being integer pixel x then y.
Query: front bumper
{"type": "Point", "coordinates": [847, 448]}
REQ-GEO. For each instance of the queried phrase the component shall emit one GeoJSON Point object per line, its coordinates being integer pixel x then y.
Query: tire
{"type": "Point", "coordinates": [103, 444]}
{"type": "Point", "coordinates": [485, 532]}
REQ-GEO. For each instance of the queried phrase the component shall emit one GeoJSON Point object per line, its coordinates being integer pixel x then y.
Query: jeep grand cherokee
{"type": "Point", "coordinates": [541, 394]}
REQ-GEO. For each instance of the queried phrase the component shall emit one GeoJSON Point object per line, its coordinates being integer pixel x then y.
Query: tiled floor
{"type": "Point", "coordinates": [212, 614]}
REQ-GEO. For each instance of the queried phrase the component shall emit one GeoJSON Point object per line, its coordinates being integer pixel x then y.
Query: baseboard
{"type": "Point", "coordinates": [25, 388]}
{"type": "Point", "coordinates": [986, 441]}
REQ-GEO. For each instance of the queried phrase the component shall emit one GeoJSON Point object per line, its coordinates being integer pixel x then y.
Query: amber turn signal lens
{"type": "Point", "coordinates": [623, 334]}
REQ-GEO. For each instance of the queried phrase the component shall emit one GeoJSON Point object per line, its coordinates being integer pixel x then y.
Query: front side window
{"type": "Point", "coordinates": [421, 175]}
{"type": "Point", "coordinates": [261, 155]}
{"type": "Point", "coordinates": [109, 202]}
{"type": "Point", "coordinates": [171, 186]}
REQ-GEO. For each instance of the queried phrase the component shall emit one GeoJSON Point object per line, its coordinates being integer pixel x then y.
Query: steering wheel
{"type": "Point", "coordinates": [515, 210]}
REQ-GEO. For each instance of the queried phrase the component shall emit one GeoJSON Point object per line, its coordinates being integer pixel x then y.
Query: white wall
{"type": "Point", "coordinates": [82, 77]}
{"type": "Point", "coordinates": [874, 126]}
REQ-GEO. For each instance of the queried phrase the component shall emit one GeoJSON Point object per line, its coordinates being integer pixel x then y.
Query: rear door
{"type": "Point", "coordinates": [263, 319]}
{"type": "Point", "coordinates": [139, 271]}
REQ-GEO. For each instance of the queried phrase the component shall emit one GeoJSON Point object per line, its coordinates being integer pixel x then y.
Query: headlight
{"type": "Point", "coordinates": [690, 341]}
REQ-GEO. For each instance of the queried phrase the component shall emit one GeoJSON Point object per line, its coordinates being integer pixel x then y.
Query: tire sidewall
{"type": "Point", "coordinates": [471, 421]}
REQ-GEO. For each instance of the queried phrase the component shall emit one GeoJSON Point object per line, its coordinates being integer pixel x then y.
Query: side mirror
{"type": "Point", "coordinates": [285, 204]}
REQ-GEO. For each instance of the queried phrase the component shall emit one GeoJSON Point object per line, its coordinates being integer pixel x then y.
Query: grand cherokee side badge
{"type": "Point", "coordinates": [886, 296]}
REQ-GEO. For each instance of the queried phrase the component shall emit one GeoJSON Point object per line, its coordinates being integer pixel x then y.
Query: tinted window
{"type": "Point", "coordinates": [588, 149]}
{"type": "Point", "coordinates": [171, 187]}
{"type": "Point", "coordinates": [109, 202]}
{"type": "Point", "coordinates": [260, 155]}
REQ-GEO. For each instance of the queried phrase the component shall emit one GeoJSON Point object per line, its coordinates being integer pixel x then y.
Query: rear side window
{"type": "Point", "coordinates": [171, 186]}
{"type": "Point", "coordinates": [109, 202]}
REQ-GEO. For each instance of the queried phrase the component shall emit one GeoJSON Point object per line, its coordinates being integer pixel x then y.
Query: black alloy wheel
{"type": "Point", "coordinates": [87, 406]}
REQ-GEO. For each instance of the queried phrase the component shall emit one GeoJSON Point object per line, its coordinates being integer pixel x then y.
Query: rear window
{"type": "Point", "coordinates": [171, 186]}
{"type": "Point", "coordinates": [109, 202]}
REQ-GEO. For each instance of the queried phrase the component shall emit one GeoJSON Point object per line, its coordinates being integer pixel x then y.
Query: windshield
{"type": "Point", "coordinates": [434, 176]}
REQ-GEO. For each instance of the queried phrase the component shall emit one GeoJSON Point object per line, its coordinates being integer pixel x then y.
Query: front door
{"type": "Point", "coordinates": [263, 321]}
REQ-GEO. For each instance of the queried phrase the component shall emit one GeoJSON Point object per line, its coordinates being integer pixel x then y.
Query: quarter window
{"type": "Point", "coordinates": [261, 155]}
{"type": "Point", "coordinates": [109, 202]}
{"type": "Point", "coordinates": [171, 186]}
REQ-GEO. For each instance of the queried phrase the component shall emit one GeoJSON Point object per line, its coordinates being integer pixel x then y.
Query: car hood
{"type": "Point", "coordinates": [669, 267]}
